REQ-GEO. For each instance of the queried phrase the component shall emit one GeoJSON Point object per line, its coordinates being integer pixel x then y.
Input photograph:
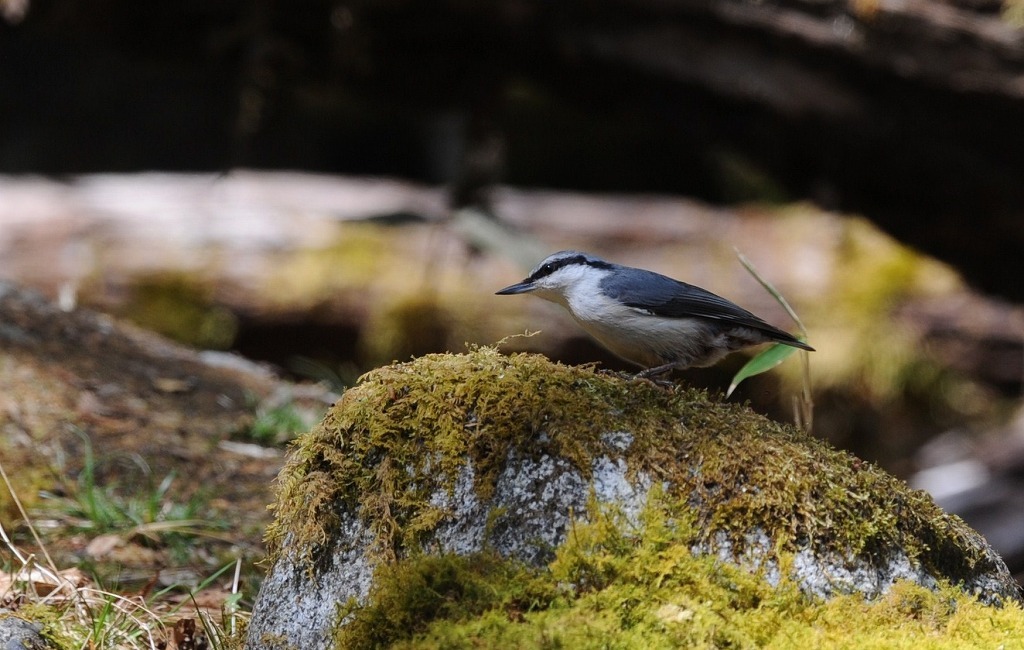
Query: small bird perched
{"type": "Point", "coordinates": [647, 318]}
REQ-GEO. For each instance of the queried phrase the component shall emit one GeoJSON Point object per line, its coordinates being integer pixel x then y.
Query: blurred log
{"type": "Point", "coordinates": [905, 110]}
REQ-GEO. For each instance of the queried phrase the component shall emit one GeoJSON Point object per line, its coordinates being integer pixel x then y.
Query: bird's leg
{"type": "Point", "coordinates": [655, 371]}
{"type": "Point", "coordinates": [621, 374]}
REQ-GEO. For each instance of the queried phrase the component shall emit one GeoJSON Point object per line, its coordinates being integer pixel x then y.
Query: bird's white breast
{"type": "Point", "coordinates": [633, 334]}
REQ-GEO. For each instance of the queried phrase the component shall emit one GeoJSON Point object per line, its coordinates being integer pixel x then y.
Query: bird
{"type": "Point", "coordinates": [646, 318]}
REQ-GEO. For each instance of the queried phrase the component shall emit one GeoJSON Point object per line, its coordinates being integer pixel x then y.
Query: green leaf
{"type": "Point", "coordinates": [763, 362]}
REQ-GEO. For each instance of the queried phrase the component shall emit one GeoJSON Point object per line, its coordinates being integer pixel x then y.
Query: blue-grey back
{"type": "Point", "coordinates": [664, 296]}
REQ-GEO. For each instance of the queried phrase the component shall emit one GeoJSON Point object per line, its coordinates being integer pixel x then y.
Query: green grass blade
{"type": "Point", "coordinates": [777, 353]}
{"type": "Point", "coordinates": [770, 288]}
{"type": "Point", "coordinates": [763, 362]}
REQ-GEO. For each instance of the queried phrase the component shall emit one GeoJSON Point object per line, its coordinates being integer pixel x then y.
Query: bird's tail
{"type": "Point", "coordinates": [788, 339]}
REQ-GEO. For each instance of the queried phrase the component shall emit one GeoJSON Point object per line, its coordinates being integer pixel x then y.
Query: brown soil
{"type": "Point", "coordinates": [149, 409]}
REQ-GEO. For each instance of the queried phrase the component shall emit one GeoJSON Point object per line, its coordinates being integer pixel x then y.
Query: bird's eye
{"type": "Point", "coordinates": [547, 269]}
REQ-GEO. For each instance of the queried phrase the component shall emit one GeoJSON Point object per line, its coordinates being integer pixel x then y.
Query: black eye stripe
{"type": "Point", "coordinates": [551, 267]}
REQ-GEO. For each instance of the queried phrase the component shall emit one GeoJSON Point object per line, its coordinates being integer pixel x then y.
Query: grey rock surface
{"type": "Point", "coordinates": [19, 634]}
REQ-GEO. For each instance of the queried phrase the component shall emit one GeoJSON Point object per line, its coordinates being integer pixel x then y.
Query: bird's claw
{"type": "Point", "coordinates": [651, 373]}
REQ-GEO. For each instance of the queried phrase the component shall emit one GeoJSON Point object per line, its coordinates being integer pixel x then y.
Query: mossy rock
{"type": "Point", "coordinates": [538, 485]}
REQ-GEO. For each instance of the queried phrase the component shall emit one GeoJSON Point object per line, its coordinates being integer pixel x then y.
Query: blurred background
{"type": "Point", "coordinates": [327, 186]}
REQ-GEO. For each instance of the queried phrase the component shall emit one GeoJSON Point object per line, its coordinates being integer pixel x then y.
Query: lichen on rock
{"type": "Point", "coordinates": [482, 455]}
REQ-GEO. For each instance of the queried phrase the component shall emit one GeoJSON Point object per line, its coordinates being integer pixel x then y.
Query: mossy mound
{"type": "Point", "coordinates": [486, 453]}
{"type": "Point", "coordinates": [613, 585]}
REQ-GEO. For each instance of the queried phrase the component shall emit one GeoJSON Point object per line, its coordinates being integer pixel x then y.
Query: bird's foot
{"type": "Point", "coordinates": [651, 374]}
{"type": "Point", "coordinates": [621, 374]}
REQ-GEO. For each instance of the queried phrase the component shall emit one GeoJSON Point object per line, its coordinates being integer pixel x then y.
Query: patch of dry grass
{"type": "Point", "coordinates": [74, 611]}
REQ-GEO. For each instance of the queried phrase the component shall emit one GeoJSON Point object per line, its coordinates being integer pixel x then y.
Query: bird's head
{"type": "Point", "coordinates": [558, 274]}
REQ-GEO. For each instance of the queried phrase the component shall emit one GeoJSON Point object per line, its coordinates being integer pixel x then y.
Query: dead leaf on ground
{"type": "Point", "coordinates": [103, 545]}
{"type": "Point", "coordinates": [43, 582]}
{"type": "Point", "coordinates": [188, 636]}
{"type": "Point", "coordinates": [171, 385]}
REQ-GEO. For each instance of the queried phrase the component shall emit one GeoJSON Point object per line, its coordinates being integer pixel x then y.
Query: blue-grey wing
{"type": "Point", "coordinates": [662, 296]}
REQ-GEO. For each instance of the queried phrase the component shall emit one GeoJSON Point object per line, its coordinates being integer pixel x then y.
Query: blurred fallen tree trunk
{"type": "Point", "coordinates": [907, 111]}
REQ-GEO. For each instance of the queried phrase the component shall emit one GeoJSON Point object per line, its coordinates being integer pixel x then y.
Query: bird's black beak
{"type": "Point", "coordinates": [522, 287]}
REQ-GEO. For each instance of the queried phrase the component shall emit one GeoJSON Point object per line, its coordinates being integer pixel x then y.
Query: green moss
{"type": "Point", "coordinates": [874, 353]}
{"type": "Point", "coordinates": [613, 585]}
{"type": "Point", "coordinates": [407, 429]}
{"type": "Point", "coordinates": [875, 272]}
{"type": "Point", "coordinates": [411, 325]}
{"type": "Point", "coordinates": [409, 596]}
{"type": "Point", "coordinates": [356, 256]}
{"type": "Point", "coordinates": [182, 308]}
{"type": "Point", "coordinates": [33, 478]}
